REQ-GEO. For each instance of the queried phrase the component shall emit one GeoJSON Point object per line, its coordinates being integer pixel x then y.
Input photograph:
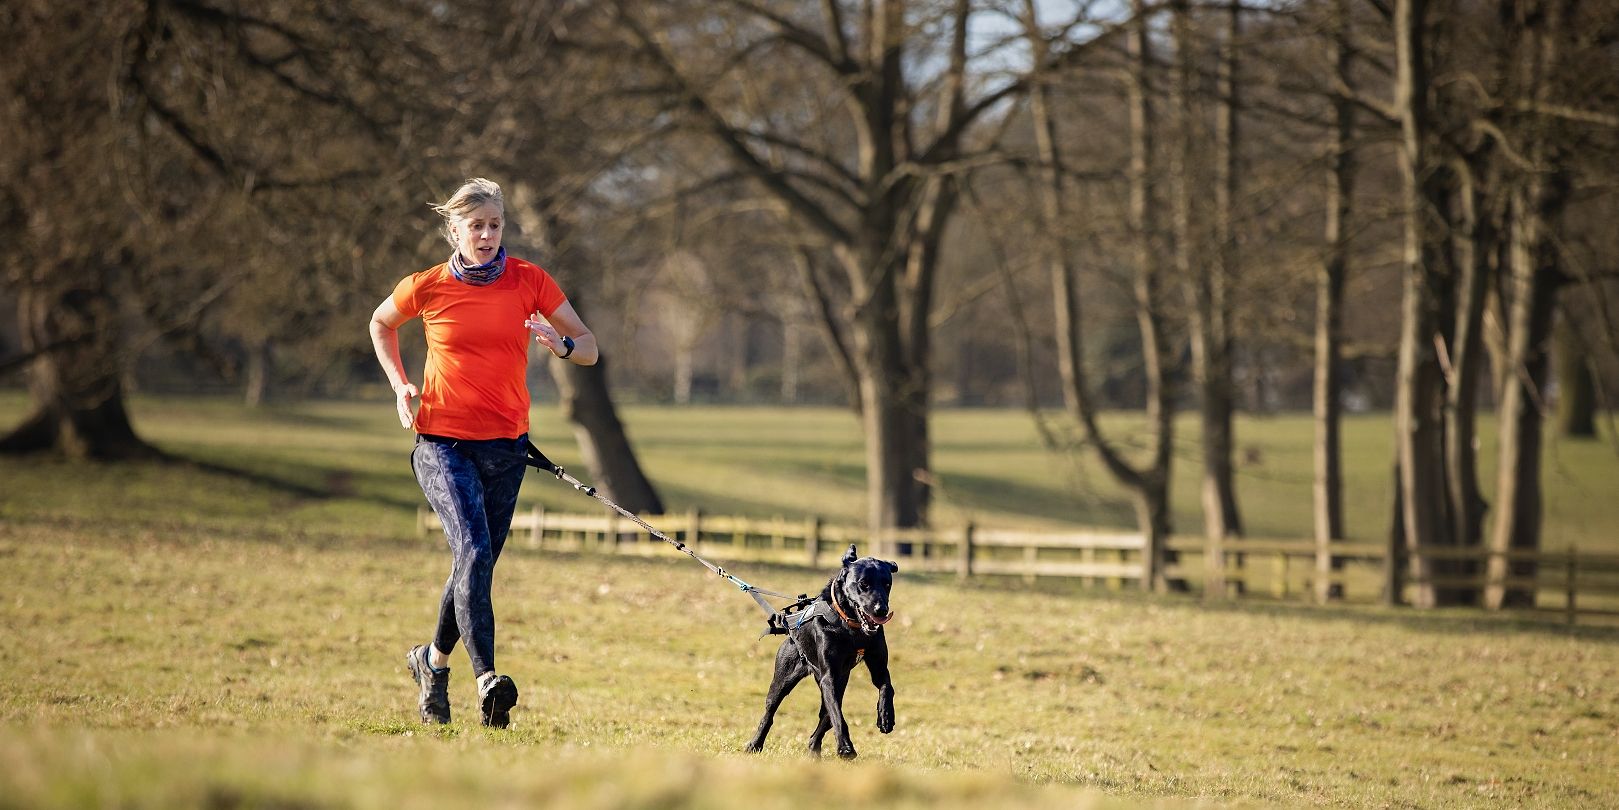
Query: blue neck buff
{"type": "Point", "coordinates": [478, 275]}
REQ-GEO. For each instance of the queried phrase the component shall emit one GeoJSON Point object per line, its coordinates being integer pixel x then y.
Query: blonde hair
{"type": "Point", "coordinates": [471, 195]}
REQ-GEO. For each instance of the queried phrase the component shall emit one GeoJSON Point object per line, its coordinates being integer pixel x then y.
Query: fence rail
{"type": "Point", "coordinates": [1568, 581]}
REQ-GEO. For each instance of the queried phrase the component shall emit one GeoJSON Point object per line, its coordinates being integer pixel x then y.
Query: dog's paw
{"type": "Point", "coordinates": [846, 752]}
{"type": "Point", "coordinates": [753, 748]}
{"type": "Point", "coordinates": [885, 716]}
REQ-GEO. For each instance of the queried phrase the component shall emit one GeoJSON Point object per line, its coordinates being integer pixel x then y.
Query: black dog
{"type": "Point", "coordinates": [826, 639]}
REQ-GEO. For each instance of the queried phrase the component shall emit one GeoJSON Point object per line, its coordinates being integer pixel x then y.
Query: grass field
{"type": "Point", "coordinates": [229, 633]}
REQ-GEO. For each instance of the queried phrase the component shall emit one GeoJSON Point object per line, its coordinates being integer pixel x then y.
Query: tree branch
{"type": "Point", "coordinates": [773, 179]}
{"type": "Point", "coordinates": [817, 46]}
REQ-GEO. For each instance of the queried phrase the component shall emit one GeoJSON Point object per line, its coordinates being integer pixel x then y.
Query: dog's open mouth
{"type": "Point", "coordinates": [870, 619]}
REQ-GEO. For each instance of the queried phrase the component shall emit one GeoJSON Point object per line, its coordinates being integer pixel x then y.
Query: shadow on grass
{"type": "Point", "coordinates": [336, 482]}
{"type": "Point", "coordinates": [970, 492]}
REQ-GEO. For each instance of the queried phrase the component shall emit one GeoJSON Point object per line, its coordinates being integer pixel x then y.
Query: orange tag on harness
{"type": "Point", "coordinates": [859, 655]}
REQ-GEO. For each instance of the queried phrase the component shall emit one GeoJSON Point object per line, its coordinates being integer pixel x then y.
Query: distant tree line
{"type": "Point", "coordinates": [1161, 206]}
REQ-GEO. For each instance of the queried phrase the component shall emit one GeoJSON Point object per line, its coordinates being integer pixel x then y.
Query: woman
{"type": "Point", "coordinates": [472, 426]}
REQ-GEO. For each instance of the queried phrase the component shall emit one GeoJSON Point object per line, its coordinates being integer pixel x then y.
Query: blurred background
{"type": "Point", "coordinates": [1317, 208]}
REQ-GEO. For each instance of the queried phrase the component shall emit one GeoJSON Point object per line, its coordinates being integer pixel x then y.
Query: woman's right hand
{"type": "Point", "coordinates": [407, 412]}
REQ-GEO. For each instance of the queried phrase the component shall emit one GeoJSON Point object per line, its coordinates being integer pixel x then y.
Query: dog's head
{"type": "Point", "coordinates": [861, 589]}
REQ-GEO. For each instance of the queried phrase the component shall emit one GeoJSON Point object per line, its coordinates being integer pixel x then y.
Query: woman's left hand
{"type": "Point", "coordinates": [545, 334]}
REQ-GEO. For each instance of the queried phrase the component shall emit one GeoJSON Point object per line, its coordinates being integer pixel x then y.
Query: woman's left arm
{"type": "Point", "coordinates": [565, 322]}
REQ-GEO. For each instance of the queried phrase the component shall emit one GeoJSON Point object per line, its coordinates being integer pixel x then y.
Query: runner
{"type": "Point", "coordinates": [472, 424]}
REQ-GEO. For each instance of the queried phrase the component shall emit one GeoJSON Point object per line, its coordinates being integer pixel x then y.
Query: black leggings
{"type": "Point", "coordinates": [472, 485]}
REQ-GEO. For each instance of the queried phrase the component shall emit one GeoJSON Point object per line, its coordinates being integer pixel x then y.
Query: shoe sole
{"type": "Point", "coordinates": [498, 702]}
{"type": "Point", "coordinates": [413, 663]}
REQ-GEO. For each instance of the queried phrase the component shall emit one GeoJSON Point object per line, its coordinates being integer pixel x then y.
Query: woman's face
{"type": "Point", "coordinates": [477, 235]}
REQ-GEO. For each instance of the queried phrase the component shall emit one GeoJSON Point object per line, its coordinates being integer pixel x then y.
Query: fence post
{"type": "Point", "coordinates": [1572, 576]}
{"type": "Point", "coordinates": [1393, 574]}
{"type": "Point", "coordinates": [1152, 558]}
{"type": "Point", "coordinates": [421, 522]}
{"type": "Point", "coordinates": [537, 534]}
{"type": "Point", "coordinates": [1214, 565]}
{"type": "Point", "coordinates": [1324, 586]}
{"type": "Point", "coordinates": [694, 528]}
{"type": "Point", "coordinates": [1279, 587]}
{"type": "Point", "coordinates": [1031, 560]}
{"type": "Point", "coordinates": [812, 541]}
{"type": "Point", "coordinates": [612, 532]}
{"type": "Point", "coordinates": [964, 567]}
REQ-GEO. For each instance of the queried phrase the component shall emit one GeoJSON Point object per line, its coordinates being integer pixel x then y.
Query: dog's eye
{"type": "Point", "coordinates": [864, 586]}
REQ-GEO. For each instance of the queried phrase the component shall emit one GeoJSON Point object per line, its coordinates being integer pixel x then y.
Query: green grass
{"type": "Point", "coordinates": [229, 634]}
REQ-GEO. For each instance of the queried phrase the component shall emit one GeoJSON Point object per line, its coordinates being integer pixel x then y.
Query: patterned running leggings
{"type": "Point", "coordinates": [472, 485]}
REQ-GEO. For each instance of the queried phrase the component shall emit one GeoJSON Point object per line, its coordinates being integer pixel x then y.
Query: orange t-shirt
{"type": "Point", "coordinates": [474, 386]}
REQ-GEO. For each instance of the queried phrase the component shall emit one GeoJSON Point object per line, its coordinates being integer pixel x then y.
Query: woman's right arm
{"type": "Point", "coordinates": [385, 340]}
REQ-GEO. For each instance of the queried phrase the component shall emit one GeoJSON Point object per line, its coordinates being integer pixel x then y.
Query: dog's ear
{"type": "Point", "coordinates": [851, 556]}
{"type": "Point", "coordinates": [893, 567]}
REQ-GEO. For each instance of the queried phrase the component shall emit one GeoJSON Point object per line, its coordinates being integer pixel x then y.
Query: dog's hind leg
{"type": "Point", "coordinates": [790, 669]}
{"type": "Point", "coordinates": [822, 726]}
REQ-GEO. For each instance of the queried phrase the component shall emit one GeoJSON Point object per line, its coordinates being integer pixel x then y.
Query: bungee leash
{"type": "Point", "coordinates": [776, 619]}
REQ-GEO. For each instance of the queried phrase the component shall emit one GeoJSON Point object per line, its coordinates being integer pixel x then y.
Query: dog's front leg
{"type": "Point", "coordinates": [877, 665]}
{"type": "Point", "coordinates": [833, 685]}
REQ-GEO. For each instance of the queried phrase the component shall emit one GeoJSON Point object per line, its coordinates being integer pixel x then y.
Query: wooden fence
{"type": "Point", "coordinates": [1567, 581]}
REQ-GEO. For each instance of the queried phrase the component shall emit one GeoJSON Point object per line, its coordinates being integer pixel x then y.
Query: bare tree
{"type": "Point", "coordinates": [67, 307]}
{"type": "Point", "coordinates": [1148, 484]}
{"type": "Point", "coordinates": [1207, 281]}
{"type": "Point", "coordinates": [872, 181]}
{"type": "Point", "coordinates": [1420, 395]}
{"type": "Point", "coordinates": [1538, 196]}
{"type": "Point", "coordinates": [161, 162]}
{"type": "Point", "coordinates": [1340, 183]}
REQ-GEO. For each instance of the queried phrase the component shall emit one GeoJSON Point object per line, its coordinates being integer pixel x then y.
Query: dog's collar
{"type": "Point", "coordinates": [851, 623]}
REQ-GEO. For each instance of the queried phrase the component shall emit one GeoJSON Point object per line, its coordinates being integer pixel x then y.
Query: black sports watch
{"type": "Point", "coordinates": [568, 342]}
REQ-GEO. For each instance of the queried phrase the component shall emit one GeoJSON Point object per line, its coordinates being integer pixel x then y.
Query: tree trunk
{"type": "Point", "coordinates": [1151, 311]}
{"type": "Point", "coordinates": [1396, 562]}
{"type": "Point", "coordinates": [1576, 388]}
{"type": "Point", "coordinates": [1205, 284]}
{"type": "Point", "coordinates": [887, 392]}
{"type": "Point", "coordinates": [1329, 518]}
{"type": "Point", "coordinates": [258, 373]}
{"type": "Point", "coordinates": [1534, 279]}
{"type": "Point", "coordinates": [586, 401]}
{"type": "Point", "coordinates": [938, 203]}
{"type": "Point", "coordinates": [1151, 503]}
{"type": "Point", "coordinates": [603, 444]}
{"type": "Point", "coordinates": [1473, 244]}
{"type": "Point", "coordinates": [1537, 200]}
{"type": "Point", "coordinates": [1221, 516]}
{"type": "Point", "coordinates": [76, 387]}
{"type": "Point", "coordinates": [736, 330]}
{"type": "Point", "coordinates": [792, 349]}
{"type": "Point", "coordinates": [1419, 398]}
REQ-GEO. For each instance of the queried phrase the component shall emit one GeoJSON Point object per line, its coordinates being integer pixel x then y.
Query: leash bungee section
{"type": "Point", "coordinates": [777, 619]}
